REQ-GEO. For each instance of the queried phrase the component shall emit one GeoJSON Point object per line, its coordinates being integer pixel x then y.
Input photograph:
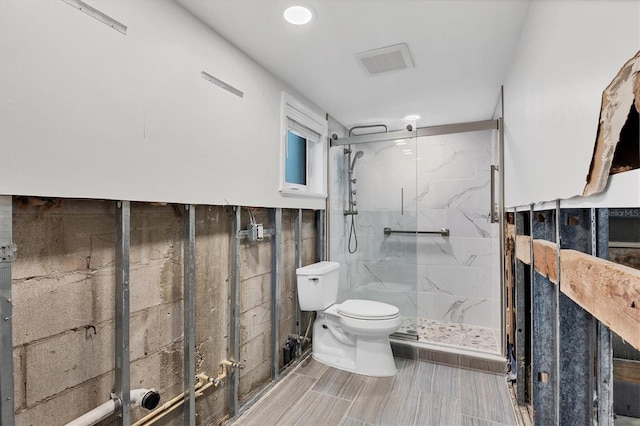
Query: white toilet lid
{"type": "Point", "coordinates": [367, 309]}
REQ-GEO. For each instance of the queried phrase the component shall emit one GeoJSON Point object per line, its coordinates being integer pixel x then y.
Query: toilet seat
{"type": "Point", "coordinates": [367, 310]}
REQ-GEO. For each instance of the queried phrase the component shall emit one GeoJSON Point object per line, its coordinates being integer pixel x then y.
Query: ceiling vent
{"type": "Point", "coordinates": [386, 59]}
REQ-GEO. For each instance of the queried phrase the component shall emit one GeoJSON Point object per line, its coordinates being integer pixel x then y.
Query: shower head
{"type": "Point", "coordinates": [359, 154]}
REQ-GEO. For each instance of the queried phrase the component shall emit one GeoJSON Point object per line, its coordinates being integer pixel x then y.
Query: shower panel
{"type": "Point", "coordinates": [351, 180]}
{"type": "Point", "coordinates": [352, 245]}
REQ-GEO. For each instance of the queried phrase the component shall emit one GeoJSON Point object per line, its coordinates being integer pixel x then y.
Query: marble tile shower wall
{"type": "Point", "coordinates": [443, 183]}
{"type": "Point", "coordinates": [458, 277]}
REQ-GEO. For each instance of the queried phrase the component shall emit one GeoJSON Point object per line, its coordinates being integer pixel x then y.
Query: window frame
{"type": "Point", "coordinates": [313, 128]}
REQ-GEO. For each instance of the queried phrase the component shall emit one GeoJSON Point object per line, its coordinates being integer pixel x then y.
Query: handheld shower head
{"type": "Point", "coordinates": [359, 154]}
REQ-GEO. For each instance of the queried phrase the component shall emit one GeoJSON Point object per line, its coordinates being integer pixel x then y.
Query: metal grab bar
{"type": "Point", "coordinates": [493, 212]}
{"type": "Point", "coordinates": [444, 232]}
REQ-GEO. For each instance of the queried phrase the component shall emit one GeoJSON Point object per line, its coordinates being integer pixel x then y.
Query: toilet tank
{"type": "Point", "coordinates": [318, 285]}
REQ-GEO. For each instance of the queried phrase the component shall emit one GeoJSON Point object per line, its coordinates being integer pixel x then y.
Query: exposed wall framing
{"type": "Point", "coordinates": [122, 307]}
{"type": "Point", "coordinates": [577, 329]}
{"type": "Point", "coordinates": [298, 264]}
{"type": "Point", "coordinates": [189, 312]}
{"type": "Point", "coordinates": [604, 345]}
{"type": "Point", "coordinates": [522, 310]}
{"type": "Point", "coordinates": [115, 278]}
{"type": "Point", "coordinates": [6, 313]}
{"type": "Point", "coordinates": [606, 289]}
{"type": "Point", "coordinates": [509, 280]}
{"type": "Point", "coordinates": [545, 339]}
{"type": "Point", "coordinates": [234, 309]}
{"type": "Point", "coordinates": [577, 296]}
{"type": "Point", "coordinates": [276, 296]}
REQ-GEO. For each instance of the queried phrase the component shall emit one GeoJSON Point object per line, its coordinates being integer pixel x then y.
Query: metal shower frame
{"type": "Point", "coordinates": [446, 129]}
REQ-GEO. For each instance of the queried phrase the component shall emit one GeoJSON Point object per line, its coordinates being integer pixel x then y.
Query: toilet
{"type": "Point", "coordinates": [353, 335]}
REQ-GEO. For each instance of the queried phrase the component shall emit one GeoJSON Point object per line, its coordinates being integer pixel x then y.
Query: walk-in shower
{"type": "Point", "coordinates": [427, 241]}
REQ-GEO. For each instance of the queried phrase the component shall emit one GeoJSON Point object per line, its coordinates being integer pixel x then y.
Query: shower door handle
{"type": "Point", "coordinates": [493, 212]}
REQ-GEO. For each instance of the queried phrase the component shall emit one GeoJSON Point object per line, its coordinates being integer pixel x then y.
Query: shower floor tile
{"type": "Point", "coordinates": [451, 333]}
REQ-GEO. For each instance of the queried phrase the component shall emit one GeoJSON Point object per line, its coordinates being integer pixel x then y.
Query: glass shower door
{"type": "Point", "coordinates": [458, 277]}
{"type": "Point", "coordinates": [446, 285]}
{"type": "Point", "coordinates": [384, 268]}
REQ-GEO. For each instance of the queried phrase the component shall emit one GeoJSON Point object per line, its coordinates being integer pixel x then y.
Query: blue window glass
{"type": "Point", "coordinates": [296, 161]}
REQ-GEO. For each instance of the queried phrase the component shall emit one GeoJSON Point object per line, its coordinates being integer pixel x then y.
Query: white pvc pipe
{"type": "Point", "coordinates": [136, 395]}
{"type": "Point", "coordinates": [108, 408]}
{"type": "Point", "coordinates": [97, 414]}
{"type": "Point", "coordinates": [166, 407]}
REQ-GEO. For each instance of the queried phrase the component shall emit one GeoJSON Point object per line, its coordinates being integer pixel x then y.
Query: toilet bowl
{"type": "Point", "coordinates": [352, 335]}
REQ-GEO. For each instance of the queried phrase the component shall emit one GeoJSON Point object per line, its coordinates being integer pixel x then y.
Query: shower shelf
{"type": "Point", "coordinates": [444, 232]}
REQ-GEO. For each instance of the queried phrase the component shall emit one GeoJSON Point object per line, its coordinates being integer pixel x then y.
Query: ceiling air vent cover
{"type": "Point", "coordinates": [386, 59]}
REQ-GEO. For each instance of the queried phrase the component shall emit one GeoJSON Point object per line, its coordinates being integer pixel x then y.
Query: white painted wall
{"type": "Point", "coordinates": [88, 112]}
{"type": "Point", "coordinates": [568, 52]}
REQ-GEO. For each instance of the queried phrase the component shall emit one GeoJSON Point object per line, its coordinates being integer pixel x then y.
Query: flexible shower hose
{"type": "Point", "coordinates": [352, 233]}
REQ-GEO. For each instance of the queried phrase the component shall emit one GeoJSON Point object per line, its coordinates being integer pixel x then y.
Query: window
{"type": "Point", "coordinates": [303, 150]}
{"type": "Point", "coordinates": [295, 168]}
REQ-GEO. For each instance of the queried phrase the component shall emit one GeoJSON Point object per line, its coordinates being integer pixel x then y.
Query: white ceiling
{"type": "Point", "coordinates": [461, 50]}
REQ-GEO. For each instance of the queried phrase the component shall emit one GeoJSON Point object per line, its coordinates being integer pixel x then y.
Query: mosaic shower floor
{"type": "Point", "coordinates": [451, 333]}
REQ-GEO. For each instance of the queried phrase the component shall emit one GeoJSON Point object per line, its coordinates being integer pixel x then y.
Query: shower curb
{"type": "Point", "coordinates": [488, 363]}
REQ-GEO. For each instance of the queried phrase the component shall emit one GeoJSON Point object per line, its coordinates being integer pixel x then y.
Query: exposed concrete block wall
{"type": "Point", "coordinates": [213, 272]}
{"type": "Point", "coordinates": [309, 256]}
{"type": "Point", "coordinates": [63, 292]}
{"type": "Point", "coordinates": [255, 307]}
{"type": "Point", "coordinates": [289, 294]}
{"type": "Point", "coordinates": [255, 294]}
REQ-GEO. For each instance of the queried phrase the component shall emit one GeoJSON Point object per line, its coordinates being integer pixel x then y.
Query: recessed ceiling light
{"type": "Point", "coordinates": [412, 117]}
{"type": "Point", "coordinates": [400, 142]}
{"type": "Point", "coordinates": [298, 15]}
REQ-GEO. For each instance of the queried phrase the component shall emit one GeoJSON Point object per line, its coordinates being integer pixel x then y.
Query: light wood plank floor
{"type": "Point", "coordinates": [421, 393]}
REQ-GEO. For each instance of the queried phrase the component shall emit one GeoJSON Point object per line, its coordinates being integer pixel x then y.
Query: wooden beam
{"type": "Point", "coordinates": [625, 256]}
{"type": "Point", "coordinates": [607, 290]}
{"type": "Point", "coordinates": [617, 100]}
{"type": "Point", "coordinates": [626, 370]}
{"type": "Point", "coordinates": [545, 259]}
{"type": "Point", "coordinates": [523, 248]}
